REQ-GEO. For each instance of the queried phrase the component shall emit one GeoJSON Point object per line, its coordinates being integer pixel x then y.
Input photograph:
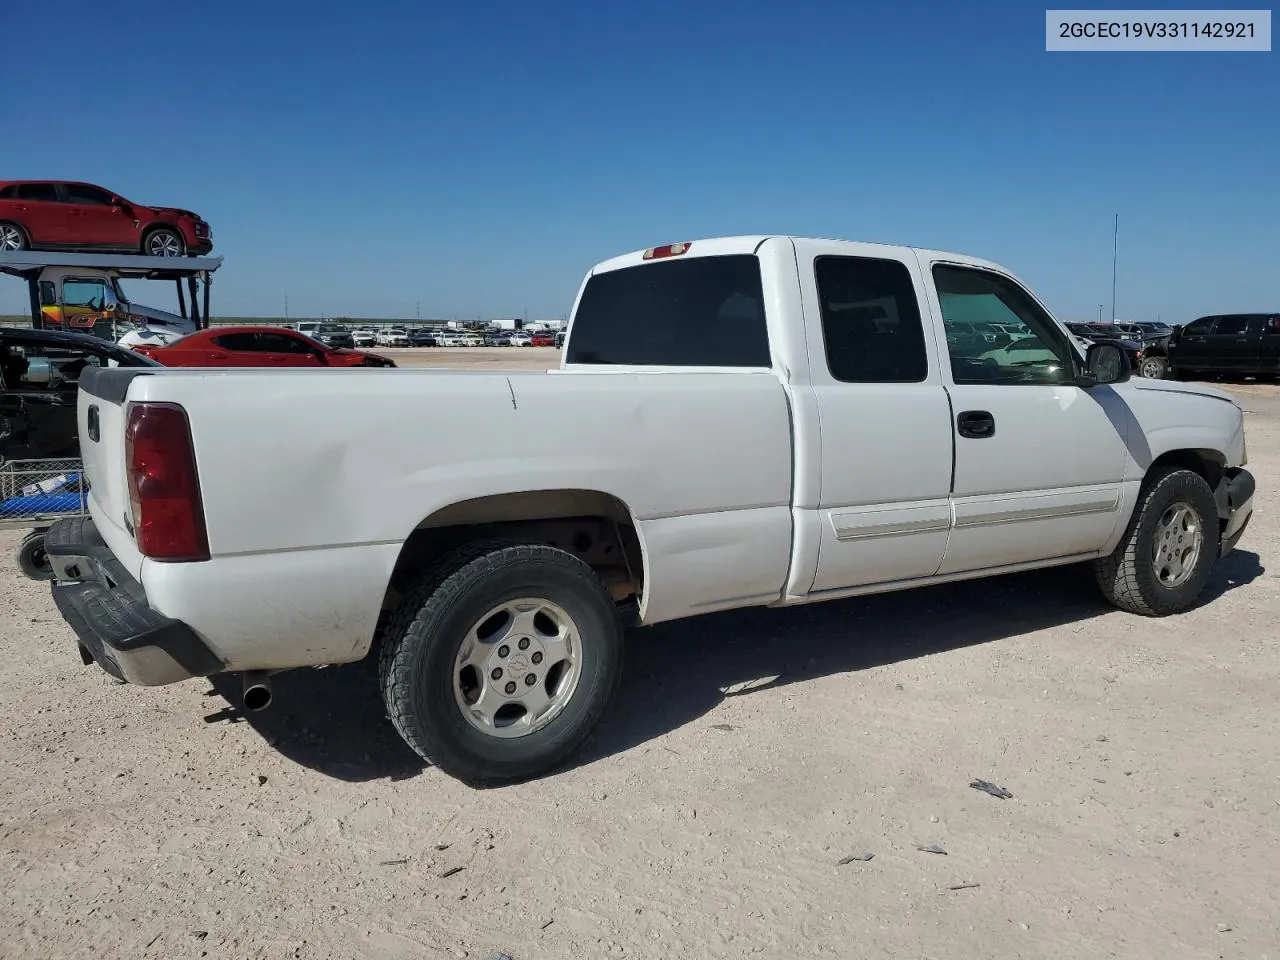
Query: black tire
{"type": "Point", "coordinates": [11, 234]}
{"type": "Point", "coordinates": [422, 641]}
{"type": "Point", "coordinates": [163, 237]}
{"type": "Point", "coordinates": [32, 559]}
{"type": "Point", "coordinates": [1128, 576]}
{"type": "Point", "coordinates": [1153, 368]}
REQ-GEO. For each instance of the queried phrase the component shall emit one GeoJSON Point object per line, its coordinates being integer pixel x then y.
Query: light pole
{"type": "Point", "coordinates": [1099, 313]}
{"type": "Point", "coordinates": [1115, 250]}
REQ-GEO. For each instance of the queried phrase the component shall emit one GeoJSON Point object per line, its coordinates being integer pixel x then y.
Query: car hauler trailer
{"type": "Point", "coordinates": [81, 291]}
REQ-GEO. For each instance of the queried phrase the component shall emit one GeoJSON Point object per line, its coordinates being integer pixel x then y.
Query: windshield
{"type": "Point", "coordinates": [331, 328]}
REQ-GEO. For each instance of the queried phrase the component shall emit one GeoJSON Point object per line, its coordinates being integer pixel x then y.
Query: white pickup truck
{"type": "Point", "coordinates": [743, 421]}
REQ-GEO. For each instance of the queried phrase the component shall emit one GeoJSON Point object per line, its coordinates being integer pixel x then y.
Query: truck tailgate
{"type": "Point", "coordinates": [100, 424]}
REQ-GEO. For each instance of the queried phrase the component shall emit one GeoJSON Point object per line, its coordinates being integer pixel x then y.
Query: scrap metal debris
{"type": "Point", "coordinates": [450, 872]}
{"type": "Point", "coordinates": [987, 786]}
{"type": "Point", "coordinates": [930, 848]}
{"type": "Point", "coordinates": [963, 886]}
{"type": "Point", "coordinates": [726, 727]}
{"type": "Point", "coordinates": [855, 857]}
{"type": "Point", "coordinates": [546, 922]}
{"type": "Point", "coordinates": [393, 863]}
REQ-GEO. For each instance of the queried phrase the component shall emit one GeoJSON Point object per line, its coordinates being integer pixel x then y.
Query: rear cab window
{"type": "Point", "coordinates": [871, 324]}
{"type": "Point", "coordinates": [696, 312]}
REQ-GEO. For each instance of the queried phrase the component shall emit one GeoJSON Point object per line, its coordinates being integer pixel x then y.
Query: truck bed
{"type": "Point", "coordinates": [334, 469]}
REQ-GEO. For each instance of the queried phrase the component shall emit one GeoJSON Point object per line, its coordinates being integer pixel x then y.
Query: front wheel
{"type": "Point", "coordinates": [499, 665]}
{"type": "Point", "coordinates": [1154, 368]}
{"type": "Point", "coordinates": [32, 559]}
{"type": "Point", "coordinates": [1166, 556]}
{"type": "Point", "coordinates": [163, 242]}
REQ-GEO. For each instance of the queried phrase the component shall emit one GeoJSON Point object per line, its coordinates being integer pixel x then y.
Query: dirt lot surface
{"type": "Point", "coordinates": [474, 358]}
{"type": "Point", "coordinates": [747, 755]}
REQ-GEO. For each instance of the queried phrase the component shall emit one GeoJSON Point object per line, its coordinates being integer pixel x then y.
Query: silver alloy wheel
{"type": "Point", "coordinates": [517, 668]}
{"type": "Point", "coordinates": [1179, 538]}
{"type": "Point", "coordinates": [1152, 368]}
{"type": "Point", "coordinates": [10, 237]}
{"type": "Point", "coordinates": [164, 243]}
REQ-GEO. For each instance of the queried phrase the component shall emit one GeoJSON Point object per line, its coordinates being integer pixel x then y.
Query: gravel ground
{"type": "Point", "coordinates": [747, 755]}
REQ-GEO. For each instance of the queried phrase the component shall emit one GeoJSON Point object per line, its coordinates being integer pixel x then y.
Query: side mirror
{"type": "Point", "coordinates": [321, 358]}
{"type": "Point", "coordinates": [1104, 363]}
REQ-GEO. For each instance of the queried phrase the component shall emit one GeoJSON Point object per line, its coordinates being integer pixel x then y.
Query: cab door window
{"type": "Point", "coordinates": [974, 302]}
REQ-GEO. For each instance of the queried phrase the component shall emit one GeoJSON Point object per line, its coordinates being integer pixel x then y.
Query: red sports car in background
{"type": "Point", "coordinates": [64, 215]}
{"type": "Point", "coordinates": [257, 347]}
{"type": "Point", "coordinates": [542, 340]}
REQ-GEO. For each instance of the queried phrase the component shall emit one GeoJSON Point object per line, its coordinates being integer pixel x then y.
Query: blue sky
{"type": "Point", "coordinates": [477, 158]}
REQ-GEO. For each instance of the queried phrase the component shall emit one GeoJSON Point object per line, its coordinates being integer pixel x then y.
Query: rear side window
{"type": "Point", "coordinates": [1230, 326]}
{"type": "Point", "coordinates": [37, 191]}
{"type": "Point", "coordinates": [237, 341]}
{"type": "Point", "coordinates": [870, 321]}
{"type": "Point", "coordinates": [703, 312]}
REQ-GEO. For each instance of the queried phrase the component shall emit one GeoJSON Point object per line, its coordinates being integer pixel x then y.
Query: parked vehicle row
{"type": "Point", "coordinates": [732, 464]}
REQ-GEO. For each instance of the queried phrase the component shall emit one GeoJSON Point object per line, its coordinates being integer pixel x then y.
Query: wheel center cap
{"type": "Point", "coordinates": [518, 665]}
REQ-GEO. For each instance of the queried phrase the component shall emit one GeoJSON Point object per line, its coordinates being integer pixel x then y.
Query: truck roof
{"type": "Point", "coordinates": [750, 243]}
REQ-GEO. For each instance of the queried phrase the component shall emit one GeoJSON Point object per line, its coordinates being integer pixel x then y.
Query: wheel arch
{"type": "Point", "coordinates": [1209, 464]}
{"type": "Point", "coordinates": [597, 527]}
{"type": "Point", "coordinates": [155, 225]}
{"type": "Point", "coordinates": [26, 234]}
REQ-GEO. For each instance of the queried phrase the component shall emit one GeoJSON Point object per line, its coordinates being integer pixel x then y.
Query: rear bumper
{"type": "Point", "coordinates": [1235, 505]}
{"type": "Point", "coordinates": [108, 611]}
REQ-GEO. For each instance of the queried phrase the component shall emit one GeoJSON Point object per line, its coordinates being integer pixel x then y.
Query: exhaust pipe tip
{"type": "Point", "coordinates": [257, 692]}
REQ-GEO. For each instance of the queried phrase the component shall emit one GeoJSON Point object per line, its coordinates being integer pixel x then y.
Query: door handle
{"type": "Point", "coordinates": [976, 424]}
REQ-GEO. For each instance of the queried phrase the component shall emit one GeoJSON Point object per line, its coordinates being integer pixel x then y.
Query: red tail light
{"type": "Point", "coordinates": [164, 487]}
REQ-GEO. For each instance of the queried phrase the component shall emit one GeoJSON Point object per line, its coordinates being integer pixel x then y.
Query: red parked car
{"type": "Point", "coordinates": [64, 215]}
{"type": "Point", "coordinates": [542, 340]}
{"type": "Point", "coordinates": [257, 347]}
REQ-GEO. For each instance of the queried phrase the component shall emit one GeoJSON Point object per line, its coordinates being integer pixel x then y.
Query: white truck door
{"type": "Point", "coordinates": [1039, 461]}
{"type": "Point", "coordinates": [885, 433]}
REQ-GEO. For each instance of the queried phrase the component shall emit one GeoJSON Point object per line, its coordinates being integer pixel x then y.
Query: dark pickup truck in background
{"type": "Point", "coordinates": [1241, 344]}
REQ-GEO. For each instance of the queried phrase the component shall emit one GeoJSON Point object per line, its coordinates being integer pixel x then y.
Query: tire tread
{"type": "Point", "coordinates": [1117, 574]}
{"type": "Point", "coordinates": [443, 582]}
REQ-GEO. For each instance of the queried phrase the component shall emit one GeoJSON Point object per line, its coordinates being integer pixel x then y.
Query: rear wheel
{"type": "Point", "coordinates": [12, 237]}
{"type": "Point", "coordinates": [163, 242]}
{"type": "Point", "coordinates": [32, 559]}
{"type": "Point", "coordinates": [1167, 554]}
{"type": "Point", "coordinates": [499, 665]}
